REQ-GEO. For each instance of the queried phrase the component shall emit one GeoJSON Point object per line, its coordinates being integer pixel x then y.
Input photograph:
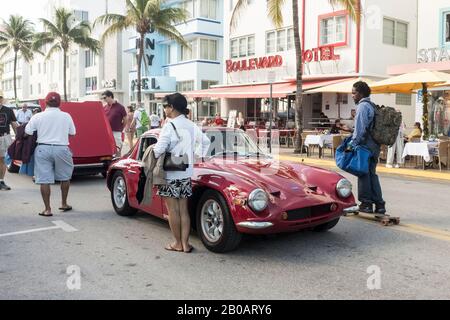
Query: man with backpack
{"type": "Point", "coordinates": [369, 188]}
{"type": "Point", "coordinates": [141, 121]}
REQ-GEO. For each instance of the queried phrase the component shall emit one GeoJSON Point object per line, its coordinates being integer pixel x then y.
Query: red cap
{"type": "Point", "coordinates": [53, 96]}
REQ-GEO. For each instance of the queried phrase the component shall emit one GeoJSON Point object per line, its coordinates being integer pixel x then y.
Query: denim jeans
{"type": "Point", "coordinates": [369, 188]}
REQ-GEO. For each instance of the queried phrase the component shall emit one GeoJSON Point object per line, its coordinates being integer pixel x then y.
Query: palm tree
{"type": "Point", "coordinates": [274, 9]}
{"type": "Point", "coordinates": [145, 16]}
{"type": "Point", "coordinates": [16, 36]}
{"type": "Point", "coordinates": [62, 35]}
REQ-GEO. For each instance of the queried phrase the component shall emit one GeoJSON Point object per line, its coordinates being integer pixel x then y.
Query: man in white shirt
{"type": "Point", "coordinates": [24, 115]}
{"type": "Point", "coordinates": [141, 128]}
{"type": "Point", "coordinates": [155, 121]}
{"type": "Point", "coordinates": [53, 158]}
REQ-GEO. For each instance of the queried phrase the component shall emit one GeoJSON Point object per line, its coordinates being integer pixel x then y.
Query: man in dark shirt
{"type": "Point", "coordinates": [116, 114]}
{"type": "Point", "coordinates": [7, 119]}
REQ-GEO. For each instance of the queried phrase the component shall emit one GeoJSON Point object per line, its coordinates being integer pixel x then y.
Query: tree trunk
{"type": "Point", "coordinates": [65, 74]}
{"type": "Point", "coordinates": [139, 69]}
{"type": "Point", "coordinates": [426, 132]}
{"type": "Point", "coordinates": [15, 76]}
{"type": "Point", "coordinates": [299, 73]}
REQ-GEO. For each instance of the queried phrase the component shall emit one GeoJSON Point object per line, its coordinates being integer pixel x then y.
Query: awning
{"type": "Point", "coordinates": [279, 90]}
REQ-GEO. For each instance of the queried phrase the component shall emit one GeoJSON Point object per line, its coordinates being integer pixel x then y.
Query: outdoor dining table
{"type": "Point", "coordinates": [319, 140]}
{"type": "Point", "coordinates": [421, 149]}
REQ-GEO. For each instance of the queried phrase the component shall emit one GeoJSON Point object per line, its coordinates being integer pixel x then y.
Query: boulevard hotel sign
{"type": "Point", "coordinates": [325, 53]}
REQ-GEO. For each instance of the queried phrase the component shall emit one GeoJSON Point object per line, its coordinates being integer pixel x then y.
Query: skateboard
{"type": "Point", "coordinates": [384, 219]}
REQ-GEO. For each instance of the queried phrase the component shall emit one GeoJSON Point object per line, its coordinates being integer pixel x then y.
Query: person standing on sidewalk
{"type": "Point", "coordinates": [369, 188]}
{"type": "Point", "coordinates": [7, 120]}
{"type": "Point", "coordinates": [53, 158]}
{"type": "Point", "coordinates": [117, 117]}
{"type": "Point", "coordinates": [130, 131]}
{"type": "Point", "coordinates": [24, 115]}
{"type": "Point", "coordinates": [141, 121]}
{"type": "Point", "coordinates": [396, 149]}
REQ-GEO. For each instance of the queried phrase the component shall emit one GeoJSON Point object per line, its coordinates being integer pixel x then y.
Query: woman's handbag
{"type": "Point", "coordinates": [353, 160]}
{"type": "Point", "coordinates": [174, 162]}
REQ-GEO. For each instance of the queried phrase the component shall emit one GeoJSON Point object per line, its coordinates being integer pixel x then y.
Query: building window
{"type": "Point", "coordinates": [208, 9]}
{"type": "Point", "coordinates": [270, 42]}
{"type": "Point", "coordinates": [189, 53]}
{"type": "Point", "coordinates": [279, 40]}
{"type": "Point", "coordinates": [39, 68]}
{"type": "Point", "coordinates": [39, 88]}
{"type": "Point", "coordinates": [333, 29]}
{"type": "Point", "coordinates": [207, 109]}
{"type": "Point", "coordinates": [91, 84]}
{"type": "Point", "coordinates": [290, 39]}
{"type": "Point", "coordinates": [403, 99]}
{"type": "Point", "coordinates": [206, 84]}
{"type": "Point", "coordinates": [45, 67]}
{"type": "Point", "coordinates": [169, 54]}
{"type": "Point", "coordinates": [242, 47]}
{"type": "Point", "coordinates": [446, 23]}
{"type": "Point", "coordinates": [395, 33]}
{"type": "Point", "coordinates": [31, 89]}
{"type": "Point", "coordinates": [189, 6]}
{"type": "Point", "coordinates": [184, 86]}
{"type": "Point", "coordinates": [81, 15]}
{"type": "Point", "coordinates": [90, 58]}
{"type": "Point", "coordinates": [208, 49]}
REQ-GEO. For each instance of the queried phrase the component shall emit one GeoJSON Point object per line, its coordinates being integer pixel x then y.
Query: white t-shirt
{"type": "Point", "coordinates": [154, 120]}
{"type": "Point", "coordinates": [137, 117]}
{"type": "Point", "coordinates": [23, 117]}
{"type": "Point", "coordinates": [193, 140]}
{"type": "Point", "coordinates": [53, 127]}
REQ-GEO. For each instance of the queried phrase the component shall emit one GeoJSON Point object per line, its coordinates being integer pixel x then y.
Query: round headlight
{"type": "Point", "coordinates": [344, 188]}
{"type": "Point", "coordinates": [258, 200]}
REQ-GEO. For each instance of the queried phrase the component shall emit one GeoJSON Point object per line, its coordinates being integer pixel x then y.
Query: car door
{"type": "Point", "coordinates": [156, 206]}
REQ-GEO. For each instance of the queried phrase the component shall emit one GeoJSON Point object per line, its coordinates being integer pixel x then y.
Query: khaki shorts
{"type": "Point", "coordinates": [52, 163]}
{"type": "Point", "coordinates": [5, 142]}
{"type": "Point", "coordinates": [118, 139]}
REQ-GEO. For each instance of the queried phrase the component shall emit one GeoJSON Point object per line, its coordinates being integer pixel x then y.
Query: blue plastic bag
{"type": "Point", "coordinates": [353, 160]}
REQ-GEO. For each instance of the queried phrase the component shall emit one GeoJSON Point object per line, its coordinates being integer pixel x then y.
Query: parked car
{"type": "Point", "coordinates": [93, 146]}
{"type": "Point", "coordinates": [239, 190]}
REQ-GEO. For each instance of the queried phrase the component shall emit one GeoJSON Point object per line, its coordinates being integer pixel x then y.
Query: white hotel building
{"type": "Point", "coordinates": [335, 49]}
{"type": "Point", "coordinates": [88, 74]}
{"type": "Point", "coordinates": [433, 53]}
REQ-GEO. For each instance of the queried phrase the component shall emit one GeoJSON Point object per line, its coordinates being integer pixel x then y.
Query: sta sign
{"type": "Point", "coordinates": [433, 55]}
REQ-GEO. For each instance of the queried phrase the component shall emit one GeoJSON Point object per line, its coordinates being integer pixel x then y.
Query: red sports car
{"type": "Point", "coordinates": [240, 190]}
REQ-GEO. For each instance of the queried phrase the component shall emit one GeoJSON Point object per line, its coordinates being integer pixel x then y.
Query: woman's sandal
{"type": "Point", "coordinates": [170, 248]}
{"type": "Point", "coordinates": [191, 248]}
{"type": "Point", "coordinates": [45, 215]}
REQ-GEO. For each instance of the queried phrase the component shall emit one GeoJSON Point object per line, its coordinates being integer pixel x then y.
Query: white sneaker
{"type": "Point", "coordinates": [389, 166]}
{"type": "Point", "coordinates": [397, 166]}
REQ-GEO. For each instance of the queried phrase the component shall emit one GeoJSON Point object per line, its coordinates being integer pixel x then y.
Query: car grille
{"type": "Point", "coordinates": [309, 212]}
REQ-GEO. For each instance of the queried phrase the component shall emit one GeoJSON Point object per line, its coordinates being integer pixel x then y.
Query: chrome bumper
{"type": "Point", "coordinates": [354, 209]}
{"type": "Point", "coordinates": [255, 225]}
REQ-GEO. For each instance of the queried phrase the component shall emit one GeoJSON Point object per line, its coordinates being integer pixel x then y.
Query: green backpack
{"type": "Point", "coordinates": [385, 125]}
{"type": "Point", "coordinates": [145, 120]}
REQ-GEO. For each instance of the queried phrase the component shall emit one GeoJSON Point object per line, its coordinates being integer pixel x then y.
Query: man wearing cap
{"type": "Point", "coordinates": [53, 158]}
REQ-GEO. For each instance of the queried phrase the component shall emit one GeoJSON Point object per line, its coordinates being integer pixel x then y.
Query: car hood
{"type": "Point", "coordinates": [276, 176]}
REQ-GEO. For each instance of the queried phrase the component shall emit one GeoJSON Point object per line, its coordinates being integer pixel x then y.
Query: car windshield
{"type": "Point", "coordinates": [232, 143]}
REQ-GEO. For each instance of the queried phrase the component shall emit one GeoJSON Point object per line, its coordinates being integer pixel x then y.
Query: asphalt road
{"type": "Point", "coordinates": [124, 258]}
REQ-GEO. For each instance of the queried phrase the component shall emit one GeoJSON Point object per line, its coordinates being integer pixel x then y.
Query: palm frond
{"type": "Point", "coordinates": [275, 12]}
{"type": "Point", "coordinates": [352, 6]}
{"type": "Point", "coordinates": [50, 27]}
{"type": "Point", "coordinates": [109, 19]}
{"type": "Point", "coordinates": [239, 7]}
{"type": "Point", "coordinates": [54, 49]}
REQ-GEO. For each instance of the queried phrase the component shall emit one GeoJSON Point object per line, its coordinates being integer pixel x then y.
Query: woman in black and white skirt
{"type": "Point", "coordinates": [179, 137]}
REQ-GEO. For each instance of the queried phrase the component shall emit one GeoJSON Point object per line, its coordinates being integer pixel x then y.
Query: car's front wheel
{"type": "Point", "coordinates": [326, 226]}
{"type": "Point", "coordinates": [119, 195]}
{"type": "Point", "coordinates": [215, 225]}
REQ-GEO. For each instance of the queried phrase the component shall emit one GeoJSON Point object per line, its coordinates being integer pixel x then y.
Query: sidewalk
{"type": "Point", "coordinates": [288, 154]}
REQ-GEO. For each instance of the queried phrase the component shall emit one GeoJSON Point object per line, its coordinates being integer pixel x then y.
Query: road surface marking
{"type": "Point", "coordinates": [412, 228]}
{"type": "Point", "coordinates": [58, 225]}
